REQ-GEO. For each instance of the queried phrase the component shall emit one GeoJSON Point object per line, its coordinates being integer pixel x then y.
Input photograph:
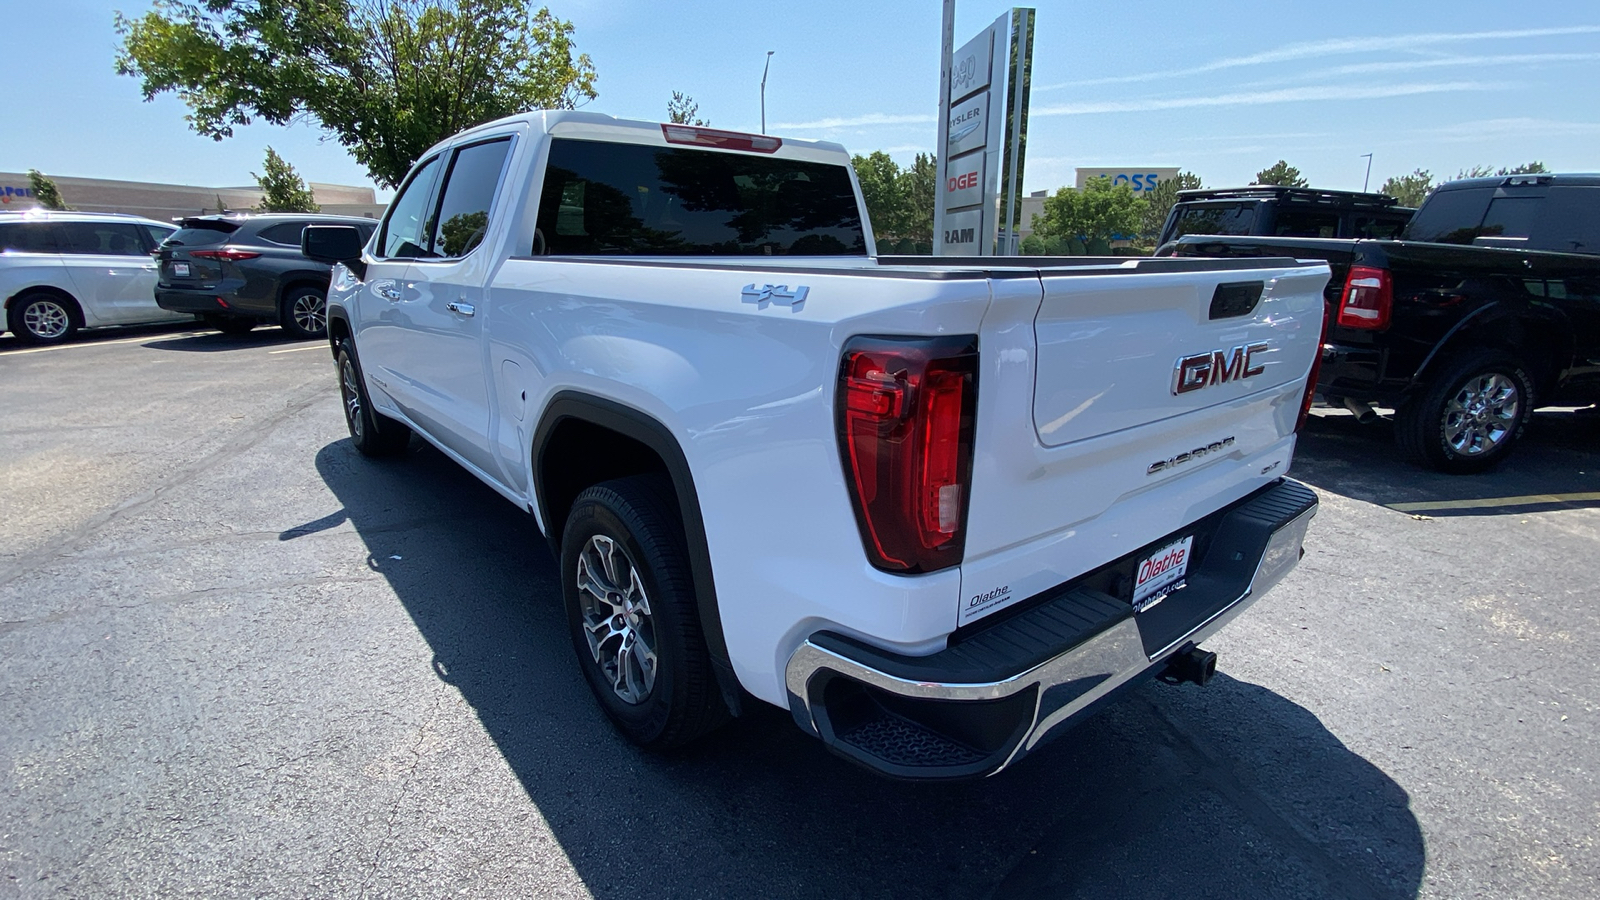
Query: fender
{"type": "Point", "coordinates": [645, 429]}
{"type": "Point", "coordinates": [1487, 315]}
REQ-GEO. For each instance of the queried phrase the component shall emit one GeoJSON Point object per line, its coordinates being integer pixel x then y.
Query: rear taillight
{"type": "Point", "coordinates": [231, 254]}
{"type": "Point", "coordinates": [722, 140]}
{"type": "Point", "coordinates": [1316, 371]}
{"type": "Point", "coordinates": [1368, 298]}
{"type": "Point", "coordinates": [906, 409]}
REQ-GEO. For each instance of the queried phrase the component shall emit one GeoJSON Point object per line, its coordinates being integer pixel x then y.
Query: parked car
{"type": "Point", "coordinates": [1284, 212]}
{"type": "Point", "coordinates": [938, 509]}
{"type": "Point", "coordinates": [62, 271]}
{"type": "Point", "coordinates": [1487, 307]}
{"type": "Point", "coordinates": [237, 272]}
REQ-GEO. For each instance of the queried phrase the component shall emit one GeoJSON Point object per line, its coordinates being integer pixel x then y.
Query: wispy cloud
{"type": "Point", "coordinates": [1440, 62]}
{"type": "Point", "coordinates": [856, 121]}
{"type": "Point", "coordinates": [1510, 127]}
{"type": "Point", "coordinates": [1282, 95]}
{"type": "Point", "coordinates": [1332, 47]}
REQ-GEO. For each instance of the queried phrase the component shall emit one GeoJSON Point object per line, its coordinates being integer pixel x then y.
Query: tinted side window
{"type": "Point", "coordinates": [103, 238]}
{"type": "Point", "coordinates": [1312, 223]}
{"type": "Point", "coordinates": [410, 215]}
{"type": "Point", "coordinates": [636, 200]}
{"type": "Point", "coordinates": [1450, 217]}
{"type": "Point", "coordinates": [155, 234]}
{"type": "Point", "coordinates": [1378, 228]}
{"type": "Point", "coordinates": [1569, 221]}
{"type": "Point", "coordinates": [28, 237]}
{"type": "Point", "coordinates": [286, 233]}
{"type": "Point", "coordinates": [469, 190]}
{"type": "Point", "coordinates": [1511, 216]}
{"type": "Point", "coordinates": [1234, 219]}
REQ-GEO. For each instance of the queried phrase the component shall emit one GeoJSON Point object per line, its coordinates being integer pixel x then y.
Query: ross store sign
{"type": "Point", "coordinates": [963, 181]}
{"type": "Point", "coordinates": [1140, 178]}
{"type": "Point", "coordinates": [969, 125]}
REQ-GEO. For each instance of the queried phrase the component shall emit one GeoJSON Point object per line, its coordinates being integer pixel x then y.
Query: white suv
{"type": "Point", "coordinates": [61, 271]}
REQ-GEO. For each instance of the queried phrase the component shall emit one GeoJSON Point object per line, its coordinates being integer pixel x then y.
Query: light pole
{"type": "Point", "coordinates": [1367, 180]}
{"type": "Point", "coordinates": [764, 91]}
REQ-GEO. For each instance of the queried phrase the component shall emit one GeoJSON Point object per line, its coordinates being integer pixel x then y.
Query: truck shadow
{"type": "Point", "coordinates": [1556, 466]}
{"type": "Point", "coordinates": [1137, 802]}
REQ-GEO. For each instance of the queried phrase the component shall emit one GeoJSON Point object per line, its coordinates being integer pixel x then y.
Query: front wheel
{"type": "Point", "coordinates": [43, 318]}
{"type": "Point", "coordinates": [372, 433]}
{"type": "Point", "coordinates": [631, 610]}
{"type": "Point", "coordinates": [1469, 417]}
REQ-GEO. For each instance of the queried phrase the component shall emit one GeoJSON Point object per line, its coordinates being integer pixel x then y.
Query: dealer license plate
{"type": "Point", "coordinates": [180, 269]}
{"type": "Point", "coordinates": [1159, 571]}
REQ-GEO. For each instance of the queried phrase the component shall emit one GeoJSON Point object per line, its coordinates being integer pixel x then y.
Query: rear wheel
{"type": "Point", "coordinates": [372, 433]}
{"type": "Point", "coordinates": [632, 613]}
{"type": "Point", "coordinates": [43, 318]}
{"type": "Point", "coordinates": [1470, 416]}
{"type": "Point", "coordinates": [229, 324]}
{"type": "Point", "coordinates": [304, 312]}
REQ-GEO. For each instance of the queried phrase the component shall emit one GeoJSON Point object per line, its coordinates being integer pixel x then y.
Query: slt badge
{"type": "Point", "coordinates": [775, 293]}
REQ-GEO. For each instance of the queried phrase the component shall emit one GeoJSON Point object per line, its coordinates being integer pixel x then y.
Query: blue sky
{"type": "Point", "coordinates": [1222, 89]}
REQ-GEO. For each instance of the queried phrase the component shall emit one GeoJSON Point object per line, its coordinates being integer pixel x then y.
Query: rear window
{"type": "Point", "coordinates": [1450, 217]}
{"type": "Point", "coordinates": [29, 237]}
{"type": "Point", "coordinates": [604, 198]}
{"type": "Point", "coordinates": [1312, 223]}
{"type": "Point", "coordinates": [1235, 219]}
{"type": "Point", "coordinates": [202, 232]}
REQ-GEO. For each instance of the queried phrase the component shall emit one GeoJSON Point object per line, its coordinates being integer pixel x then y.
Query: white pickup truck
{"type": "Point", "coordinates": [938, 509]}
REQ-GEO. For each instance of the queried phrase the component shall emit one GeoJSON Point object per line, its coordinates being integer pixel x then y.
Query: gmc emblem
{"type": "Point", "coordinates": [1206, 369]}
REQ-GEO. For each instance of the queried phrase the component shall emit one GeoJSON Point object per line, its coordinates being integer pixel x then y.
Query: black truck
{"type": "Point", "coordinates": [1488, 305]}
{"type": "Point", "coordinates": [1278, 211]}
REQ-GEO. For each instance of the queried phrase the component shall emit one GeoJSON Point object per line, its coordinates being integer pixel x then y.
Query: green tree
{"type": "Point", "coordinates": [1529, 168]}
{"type": "Point", "coordinates": [1411, 189]}
{"type": "Point", "coordinates": [1281, 173]}
{"type": "Point", "coordinates": [919, 189]}
{"type": "Point", "coordinates": [1096, 214]}
{"type": "Point", "coordinates": [682, 109]}
{"type": "Point", "coordinates": [282, 188]}
{"type": "Point", "coordinates": [1158, 202]}
{"type": "Point", "coordinates": [884, 192]}
{"type": "Point", "coordinates": [388, 78]}
{"type": "Point", "coordinates": [45, 191]}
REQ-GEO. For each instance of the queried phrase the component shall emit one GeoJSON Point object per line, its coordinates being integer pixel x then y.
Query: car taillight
{"type": "Point", "coordinates": [1368, 298]}
{"type": "Point", "coordinates": [228, 253]}
{"type": "Point", "coordinates": [1316, 372]}
{"type": "Point", "coordinates": [906, 409]}
{"type": "Point", "coordinates": [723, 140]}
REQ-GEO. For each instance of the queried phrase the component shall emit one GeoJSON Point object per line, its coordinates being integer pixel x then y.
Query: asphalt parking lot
{"type": "Point", "coordinates": [236, 659]}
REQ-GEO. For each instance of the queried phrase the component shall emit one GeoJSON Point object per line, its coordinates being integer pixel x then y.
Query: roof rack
{"type": "Point", "coordinates": [1296, 194]}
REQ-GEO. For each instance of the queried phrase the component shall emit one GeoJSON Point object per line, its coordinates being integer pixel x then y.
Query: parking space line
{"type": "Point", "coordinates": [148, 337]}
{"type": "Point", "coordinates": [1495, 502]}
{"type": "Point", "coordinates": [296, 349]}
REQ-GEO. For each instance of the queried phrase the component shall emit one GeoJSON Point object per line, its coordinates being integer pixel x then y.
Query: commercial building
{"type": "Point", "coordinates": [166, 202]}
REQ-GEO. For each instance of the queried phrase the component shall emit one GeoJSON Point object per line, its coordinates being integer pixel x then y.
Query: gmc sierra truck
{"type": "Point", "coordinates": [1488, 305]}
{"type": "Point", "coordinates": [936, 509]}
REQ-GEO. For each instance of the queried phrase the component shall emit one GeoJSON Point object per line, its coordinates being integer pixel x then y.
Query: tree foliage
{"type": "Point", "coordinates": [282, 188]}
{"type": "Point", "coordinates": [1529, 168]}
{"type": "Point", "coordinates": [388, 78]}
{"type": "Point", "coordinates": [1411, 189]}
{"type": "Point", "coordinates": [1096, 214]}
{"type": "Point", "coordinates": [899, 201]}
{"type": "Point", "coordinates": [45, 190]}
{"type": "Point", "coordinates": [682, 109]}
{"type": "Point", "coordinates": [1281, 173]}
{"type": "Point", "coordinates": [1159, 201]}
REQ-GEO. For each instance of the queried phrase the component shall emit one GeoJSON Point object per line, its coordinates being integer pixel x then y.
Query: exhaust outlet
{"type": "Point", "coordinates": [1192, 665]}
{"type": "Point", "coordinates": [1365, 415]}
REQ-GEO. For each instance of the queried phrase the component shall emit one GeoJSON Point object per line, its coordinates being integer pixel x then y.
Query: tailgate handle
{"type": "Point", "coordinates": [1235, 299]}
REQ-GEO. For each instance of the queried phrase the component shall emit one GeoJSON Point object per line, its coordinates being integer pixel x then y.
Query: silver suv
{"type": "Point", "coordinates": [61, 271]}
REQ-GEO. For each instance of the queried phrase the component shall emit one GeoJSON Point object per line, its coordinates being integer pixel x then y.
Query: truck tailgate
{"type": "Point", "coordinates": [1140, 401]}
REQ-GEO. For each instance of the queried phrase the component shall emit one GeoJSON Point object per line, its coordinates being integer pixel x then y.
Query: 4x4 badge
{"type": "Point", "coordinates": [775, 293]}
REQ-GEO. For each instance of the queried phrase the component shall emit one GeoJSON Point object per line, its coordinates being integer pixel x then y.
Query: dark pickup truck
{"type": "Point", "coordinates": [1487, 306]}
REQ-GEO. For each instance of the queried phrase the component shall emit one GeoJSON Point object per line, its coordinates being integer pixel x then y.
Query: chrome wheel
{"type": "Point", "coordinates": [1481, 413]}
{"type": "Point", "coordinates": [46, 320]}
{"type": "Point", "coordinates": [350, 388]}
{"type": "Point", "coordinates": [310, 313]}
{"type": "Point", "coordinates": [616, 619]}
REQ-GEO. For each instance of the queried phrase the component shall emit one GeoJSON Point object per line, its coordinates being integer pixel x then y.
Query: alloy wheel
{"type": "Point", "coordinates": [616, 619]}
{"type": "Point", "coordinates": [310, 313]}
{"type": "Point", "coordinates": [1481, 413]}
{"type": "Point", "coordinates": [46, 319]}
{"type": "Point", "coordinates": [350, 388]}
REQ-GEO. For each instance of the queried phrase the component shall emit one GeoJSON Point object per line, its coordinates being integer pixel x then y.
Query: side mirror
{"type": "Point", "coordinates": [334, 244]}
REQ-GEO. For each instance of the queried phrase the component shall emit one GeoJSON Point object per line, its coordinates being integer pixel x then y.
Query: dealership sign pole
{"type": "Point", "coordinates": [982, 136]}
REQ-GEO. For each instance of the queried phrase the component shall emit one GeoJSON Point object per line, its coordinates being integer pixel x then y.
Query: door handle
{"type": "Point", "coordinates": [461, 307]}
{"type": "Point", "coordinates": [388, 290]}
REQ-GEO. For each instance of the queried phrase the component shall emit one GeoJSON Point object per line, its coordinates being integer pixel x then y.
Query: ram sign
{"type": "Point", "coordinates": [1141, 178]}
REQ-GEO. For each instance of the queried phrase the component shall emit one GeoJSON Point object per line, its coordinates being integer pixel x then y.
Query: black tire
{"type": "Point", "coordinates": [43, 317]}
{"type": "Point", "coordinates": [1469, 417]}
{"type": "Point", "coordinates": [303, 312]}
{"type": "Point", "coordinates": [373, 433]}
{"type": "Point", "coordinates": [229, 324]}
{"type": "Point", "coordinates": [638, 519]}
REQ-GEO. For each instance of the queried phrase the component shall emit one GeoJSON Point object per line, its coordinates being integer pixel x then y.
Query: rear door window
{"type": "Point", "coordinates": [1231, 219]}
{"type": "Point", "coordinates": [410, 215]}
{"type": "Point", "coordinates": [1511, 216]}
{"type": "Point", "coordinates": [636, 200]}
{"type": "Point", "coordinates": [1313, 223]}
{"type": "Point", "coordinates": [1569, 221]}
{"type": "Point", "coordinates": [29, 237]}
{"type": "Point", "coordinates": [1377, 228]}
{"type": "Point", "coordinates": [103, 239]}
{"type": "Point", "coordinates": [468, 192]}
{"type": "Point", "coordinates": [1450, 217]}
{"type": "Point", "coordinates": [155, 234]}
